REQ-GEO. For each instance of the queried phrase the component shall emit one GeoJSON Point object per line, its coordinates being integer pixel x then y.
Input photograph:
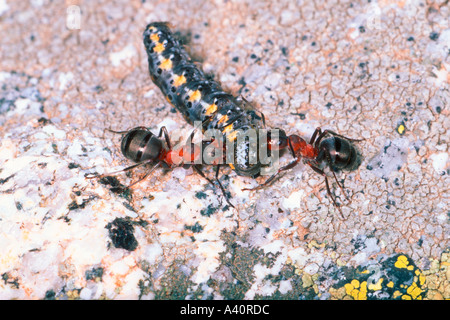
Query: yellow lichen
{"type": "Point", "coordinates": [402, 262]}
{"type": "Point", "coordinates": [376, 286]}
{"type": "Point", "coordinates": [414, 291]}
{"type": "Point", "coordinates": [356, 290]}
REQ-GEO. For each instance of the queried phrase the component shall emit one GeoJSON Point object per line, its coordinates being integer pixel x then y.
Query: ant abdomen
{"type": "Point", "coordinates": [338, 153]}
{"type": "Point", "coordinates": [139, 145]}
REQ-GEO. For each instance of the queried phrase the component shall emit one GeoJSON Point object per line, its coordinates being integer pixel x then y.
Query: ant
{"type": "Point", "coordinates": [335, 151]}
{"type": "Point", "coordinates": [143, 147]}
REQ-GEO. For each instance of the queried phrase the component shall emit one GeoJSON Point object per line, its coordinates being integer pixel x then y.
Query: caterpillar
{"type": "Point", "coordinates": [200, 98]}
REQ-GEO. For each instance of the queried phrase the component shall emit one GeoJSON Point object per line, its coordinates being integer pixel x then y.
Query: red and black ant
{"type": "Point", "coordinates": [143, 147]}
{"type": "Point", "coordinates": [335, 151]}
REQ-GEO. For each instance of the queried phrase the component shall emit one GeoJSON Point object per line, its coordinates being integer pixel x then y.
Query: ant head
{"type": "Point", "coordinates": [277, 139]}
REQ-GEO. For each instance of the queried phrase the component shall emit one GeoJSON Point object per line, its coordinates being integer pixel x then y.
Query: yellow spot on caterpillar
{"type": "Point", "coordinates": [211, 109]}
{"type": "Point", "coordinates": [166, 64]}
{"type": "Point", "coordinates": [168, 100]}
{"type": "Point", "coordinates": [154, 37]}
{"type": "Point", "coordinates": [159, 48]}
{"type": "Point", "coordinates": [223, 119]}
{"type": "Point", "coordinates": [227, 128]}
{"type": "Point", "coordinates": [390, 284]}
{"type": "Point", "coordinates": [402, 262]}
{"type": "Point", "coordinates": [232, 135]}
{"type": "Point", "coordinates": [196, 95]}
{"type": "Point", "coordinates": [179, 80]}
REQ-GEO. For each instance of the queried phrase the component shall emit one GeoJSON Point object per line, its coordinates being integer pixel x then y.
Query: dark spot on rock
{"type": "Point", "coordinates": [121, 233]}
{"type": "Point", "coordinates": [434, 36]}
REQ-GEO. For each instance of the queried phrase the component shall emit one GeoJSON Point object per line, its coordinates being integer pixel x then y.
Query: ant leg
{"type": "Point", "coordinates": [123, 170]}
{"type": "Point", "coordinates": [325, 132]}
{"type": "Point", "coordinates": [206, 121]}
{"type": "Point", "coordinates": [126, 131]}
{"type": "Point", "coordinates": [189, 150]}
{"type": "Point", "coordinates": [322, 135]}
{"type": "Point", "coordinates": [191, 137]}
{"type": "Point", "coordinates": [263, 118]}
{"type": "Point", "coordinates": [343, 137]}
{"type": "Point", "coordinates": [146, 175]}
{"type": "Point", "coordinates": [330, 165]}
{"type": "Point", "coordinates": [313, 137]}
{"type": "Point", "coordinates": [290, 165]}
{"type": "Point", "coordinates": [199, 170]}
{"type": "Point", "coordinates": [340, 186]}
{"type": "Point", "coordinates": [229, 122]}
{"type": "Point", "coordinates": [328, 188]}
{"type": "Point", "coordinates": [221, 186]}
{"type": "Point", "coordinates": [334, 200]}
{"type": "Point", "coordinates": [166, 136]}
